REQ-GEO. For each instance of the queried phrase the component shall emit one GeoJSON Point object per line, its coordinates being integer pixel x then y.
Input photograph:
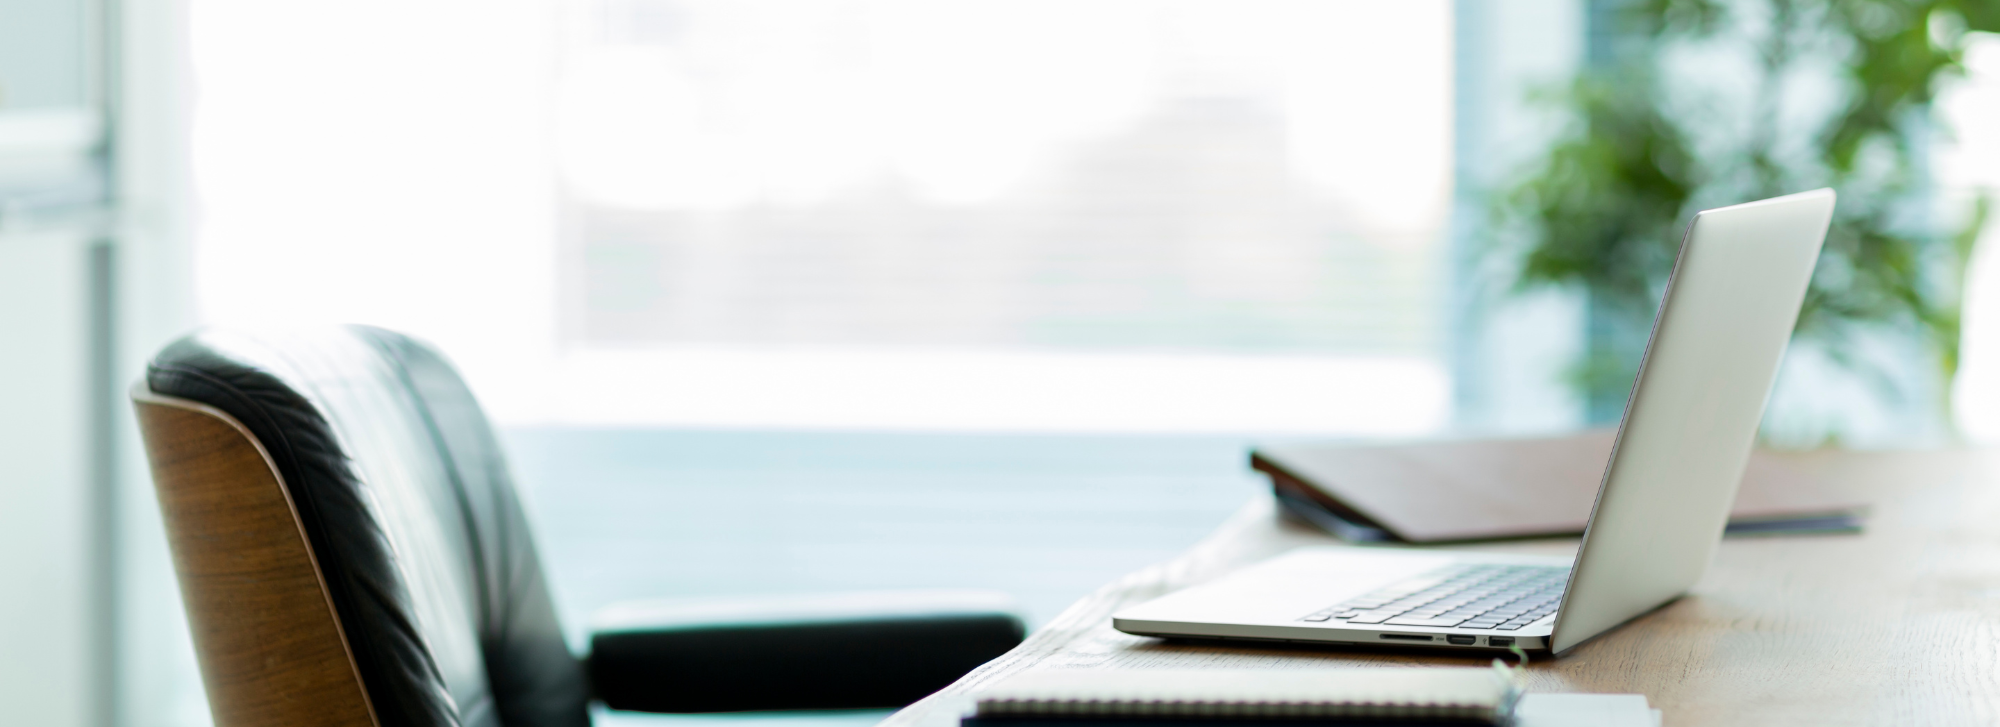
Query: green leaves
{"type": "Point", "coordinates": [1609, 193]}
{"type": "Point", "coordinates": [1606, 202]}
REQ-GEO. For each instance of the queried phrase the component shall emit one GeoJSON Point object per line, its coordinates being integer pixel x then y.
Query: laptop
{"type": "Point", "coordinates": [1689, 425]}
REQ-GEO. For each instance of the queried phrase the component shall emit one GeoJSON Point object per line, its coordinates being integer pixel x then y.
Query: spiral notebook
{"type": "Point", "coordinates": [1214, 697]}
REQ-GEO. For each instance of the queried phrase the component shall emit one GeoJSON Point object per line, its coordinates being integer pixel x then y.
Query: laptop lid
{"type": "Point", "coordinates": [1692, 417]}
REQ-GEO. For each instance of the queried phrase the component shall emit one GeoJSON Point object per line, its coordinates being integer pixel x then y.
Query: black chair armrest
{"type": "Point", "coordinates": [840, 651]}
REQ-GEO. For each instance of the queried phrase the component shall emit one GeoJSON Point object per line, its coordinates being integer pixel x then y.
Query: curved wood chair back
{"type": "Point", "coordinates": [270, 646]}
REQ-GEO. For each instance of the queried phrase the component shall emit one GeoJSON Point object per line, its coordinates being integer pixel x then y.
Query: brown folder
{"type": "Point", "coordinates": [1506, 488]}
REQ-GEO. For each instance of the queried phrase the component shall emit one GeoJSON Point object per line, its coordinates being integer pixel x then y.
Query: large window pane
{"type": "Point", "coordinates": [1107, 174]}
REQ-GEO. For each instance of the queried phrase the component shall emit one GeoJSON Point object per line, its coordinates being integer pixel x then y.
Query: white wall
{"type": "Point", "coordinates": [157, 683]}
{"type": "Point", "coordinates": [50, 660]}
{"type": "Point", "coordinates": [44, 481]}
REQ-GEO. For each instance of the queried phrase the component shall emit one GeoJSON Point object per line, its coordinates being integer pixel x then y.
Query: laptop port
{"type": "Point", "coordinates": [1407, 637]}
{"type": "Point", "coordinates": [1467, 640]}
{"type": "Point", "coordinates": [1499, 641]}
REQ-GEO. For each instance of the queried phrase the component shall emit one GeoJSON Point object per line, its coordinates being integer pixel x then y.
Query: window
{"type": "Point", "coordinates": [1048, 216]}
{"type": "Point", "coordinates": [651, 233]}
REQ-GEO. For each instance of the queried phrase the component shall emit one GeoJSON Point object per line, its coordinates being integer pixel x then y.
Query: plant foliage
{"type": "Point", "coordinates": [1606, 201]}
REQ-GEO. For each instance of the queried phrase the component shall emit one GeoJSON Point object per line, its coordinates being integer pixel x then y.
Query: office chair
{"type": "Point", "coordinates": [351, 552]}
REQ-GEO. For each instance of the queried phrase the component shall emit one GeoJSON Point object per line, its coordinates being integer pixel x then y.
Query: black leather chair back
{"type": "Point", "coordinates": [412, 517]}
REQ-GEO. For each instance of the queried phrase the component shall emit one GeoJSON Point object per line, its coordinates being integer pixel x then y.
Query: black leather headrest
{"type": "Point", "coordinates": [412, 516]}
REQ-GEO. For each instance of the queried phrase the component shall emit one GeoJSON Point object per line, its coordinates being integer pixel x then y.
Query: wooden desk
{"type": "Point", "coordinates": [1897, 625]}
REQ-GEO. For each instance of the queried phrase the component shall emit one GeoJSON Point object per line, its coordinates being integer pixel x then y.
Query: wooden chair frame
{"type": "Point", "coordinates": [266, 634]}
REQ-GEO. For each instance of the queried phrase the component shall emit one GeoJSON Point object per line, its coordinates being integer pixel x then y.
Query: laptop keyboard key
{"type": "Point", "coordinates": [1419, 621]}
{"type": "Point", "coordinates": [1458, 594]}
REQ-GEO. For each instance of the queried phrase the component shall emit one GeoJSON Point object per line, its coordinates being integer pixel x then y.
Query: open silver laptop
{"type": "Point", "coordinates": [1689, 425]}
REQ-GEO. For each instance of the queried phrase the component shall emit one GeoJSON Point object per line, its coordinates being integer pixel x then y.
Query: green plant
{"type": "Point", "coordinates": [1648, 147]}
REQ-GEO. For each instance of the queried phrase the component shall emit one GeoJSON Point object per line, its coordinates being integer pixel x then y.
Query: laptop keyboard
{"type": "Point", "coordinates": [1496, 597]}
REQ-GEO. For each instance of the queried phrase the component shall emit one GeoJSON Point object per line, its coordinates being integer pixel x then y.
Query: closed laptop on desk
{"type": "Point", "coordinates": [1663, 500]}
{"type": "Point", "coordinates": [1489, 489]}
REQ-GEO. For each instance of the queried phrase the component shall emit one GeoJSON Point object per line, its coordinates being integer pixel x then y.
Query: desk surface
{"type": "Point", "coordinates": [1899, 624]}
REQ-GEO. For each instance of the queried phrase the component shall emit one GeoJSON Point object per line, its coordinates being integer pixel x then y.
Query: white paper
{"type": "Point", "coordinates": [1585, 710]}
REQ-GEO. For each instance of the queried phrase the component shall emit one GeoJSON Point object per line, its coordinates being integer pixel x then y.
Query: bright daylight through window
{"type": "Point", "coordinates": [1111, 215]}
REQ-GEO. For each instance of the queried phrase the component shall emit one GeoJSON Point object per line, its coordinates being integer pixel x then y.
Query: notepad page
{"type": "Point", "coordinates": [1468, 693]}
